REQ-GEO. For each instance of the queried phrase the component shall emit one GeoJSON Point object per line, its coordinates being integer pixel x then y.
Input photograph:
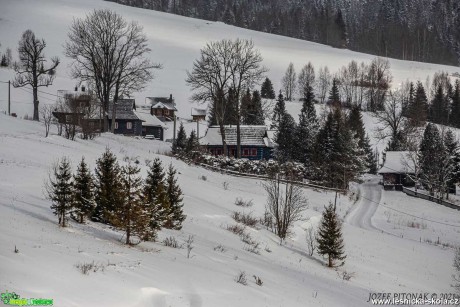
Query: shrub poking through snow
{"type": "Point", "coordinates": [259, 281]}
{"type": "Point", "coordinates": [236, 229]}
{"type": "Point", "coordinates": [172, 242]}
{"type": "Point", "coordinates": [241, 278]}
{"type": "Point", "coordinates": [245, 218]}
{"type": "Point", "coordinates": [189, 245]}
{"type": "Point", "coordinates": [220, 248]}
{"type": "Point", "coordinates": [243, 203]}
{"type": "Point", "coordinates": [85, 268]}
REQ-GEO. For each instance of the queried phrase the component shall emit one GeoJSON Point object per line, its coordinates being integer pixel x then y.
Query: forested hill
{"type": "Point", "coordinates": [416, 30]}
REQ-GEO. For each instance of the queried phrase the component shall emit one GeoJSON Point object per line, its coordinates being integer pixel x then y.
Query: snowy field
{"type": "Point", "coordinates": [390, 238]}
{"type": "Point", "coordinates": [151, 274]}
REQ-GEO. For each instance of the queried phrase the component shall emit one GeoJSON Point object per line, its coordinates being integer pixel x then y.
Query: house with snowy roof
{"type": "Point", "coordinates": [397, 170]}
{"type": "Point", "coordinates": [126, 121]}
{"type": "Point", "coordinates": [163, 108]}
{"type": "Point", "coordinates": [198, 114]}
{"type": "Point", "coordinates": [151, 125]}
{"type": "Point", "coordinates": [255, 142]}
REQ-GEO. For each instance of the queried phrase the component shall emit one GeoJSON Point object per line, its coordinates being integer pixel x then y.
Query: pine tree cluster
{"type": "Point", "coordinates": [118, 195]}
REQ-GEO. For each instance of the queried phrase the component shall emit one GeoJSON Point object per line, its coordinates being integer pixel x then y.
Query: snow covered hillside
{"type": "Point", "coordinates": [151, 274]}
{"type": "Point", "coordinates": [175, 42]}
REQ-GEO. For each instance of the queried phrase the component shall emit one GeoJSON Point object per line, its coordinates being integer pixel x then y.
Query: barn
{"type": "Point", "coordinates": [397, 170]}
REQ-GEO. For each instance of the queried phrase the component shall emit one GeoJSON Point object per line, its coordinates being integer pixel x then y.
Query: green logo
{"type": "Point", "coordinates": [13, 299]}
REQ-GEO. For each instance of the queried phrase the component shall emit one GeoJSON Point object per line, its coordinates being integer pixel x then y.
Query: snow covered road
{"type": "Point", "coordinates": [370, 195]}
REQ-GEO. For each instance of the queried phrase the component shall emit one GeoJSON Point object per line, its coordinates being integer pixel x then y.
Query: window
{"type": "Point", "coordinates": [129, 125]}
{"type": "Point", "coordinates": [68, 118]}
{"type": "Point", "coordinates": [116, 125]}
{"type": "Point", "coordinates": [91, 125]}
{"type": "Point", "coordinates": [166, 112]}
{"type": "Point", "coordinates": [254, 152]}
{"type": "Point", "coordinates": [245, 152]}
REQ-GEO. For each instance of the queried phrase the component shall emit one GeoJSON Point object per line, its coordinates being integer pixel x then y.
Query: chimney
{"type": "Point", "coordinates": [170, 98]}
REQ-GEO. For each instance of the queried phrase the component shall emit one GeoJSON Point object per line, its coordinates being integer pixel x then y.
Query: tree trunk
{"type": "Point", "coordinates": [36, 102]}
{"type": "Point", "coordinates": [330, 261]}
{"type": "Point", "coordinates": [238, 139]}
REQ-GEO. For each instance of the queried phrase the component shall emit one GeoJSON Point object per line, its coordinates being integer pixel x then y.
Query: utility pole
{"type": "Point", "coordinates": [174, 132]}
{"type": "Point", "coordinates": [9, 97]}
{"type": "Point", "coordinates": [197, 128]}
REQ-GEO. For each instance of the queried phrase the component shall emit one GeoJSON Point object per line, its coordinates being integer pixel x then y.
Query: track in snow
{"type": "Point", "coordinates": [361, 216]}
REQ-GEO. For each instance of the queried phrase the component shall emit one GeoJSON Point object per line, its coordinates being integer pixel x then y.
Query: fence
{"type": "Point", "coordinates": [430, 198]}
{"type": "Point", "coordinates": [255, 176]}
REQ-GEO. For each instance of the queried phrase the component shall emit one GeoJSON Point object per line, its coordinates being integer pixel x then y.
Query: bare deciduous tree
{"type": "Point", "coordinates": [311, 241]}
{"type": "Point", "coordinates": [285, 203]}
{"type": "Point", "coordinates": [324, 82]}
{"type": "Point", "coordinates": [379, 81]}
{"type": "Point", "coordinates": [30, 69]}
{"type": "Point", "coordinates": [306, 78]}
{"type": "Point", "coordinates": [225, 65]}
{"type": "Point", "coordinates": [110, 53]}
{"type": "Point", "coordinates": [46, 113]}
{"type": "Point", "coordinates": [288, 82]}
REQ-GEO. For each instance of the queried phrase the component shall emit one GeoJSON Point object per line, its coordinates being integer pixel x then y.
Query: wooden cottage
{"type": "Point", "coordinates": [255, 143]}
{"type": "Point", "coordinates": [126, 121]}
{"type": "Point", "coordinates": [198, 114]}
{"type": "Point", "coordinates": [397, 170]}
{"type": "Point", "coordinates": [163, 108]}
{"type": "Point", "coordinates": [151, 125]}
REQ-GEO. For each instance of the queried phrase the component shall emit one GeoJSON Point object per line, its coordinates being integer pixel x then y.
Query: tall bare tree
{"type": "Point", "coordinates": [46, 113]}
{"type": "Point", "coordinates": [110, 53]}
{"type": "Point", "coordinates": [285, 202]}
{"type": "Point", "coordinates": [324, 82]}
{"type": "Point", "coordinates": [288, 82]}
{"type": "Point", "coordinates": [30, 69]}
{"type": "Point", "coordinates": [225, 66]}
{"type": "Point", "coordinates": [306, 79]}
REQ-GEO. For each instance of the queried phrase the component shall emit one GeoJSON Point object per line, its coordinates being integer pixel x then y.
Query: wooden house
{"type": "Point", "coordinates": [163, 108]}
{"type": "Point", "coordinates": [397, 170]}
{"type": "Point", "coordinates": [255, 142]}
{"type": "Point", "coordinates": [151, 125]}
{"type": "Point", "coordinates": [126, 121]}
{"type": "Point", "coordinates": [198, 114]}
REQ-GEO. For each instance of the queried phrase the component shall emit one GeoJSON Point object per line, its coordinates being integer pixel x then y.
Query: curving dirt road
{"type": "Point", "coordinates": [361, 216]}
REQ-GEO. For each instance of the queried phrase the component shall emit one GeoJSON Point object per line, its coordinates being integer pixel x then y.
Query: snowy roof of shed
{"type": "Point", "coordinates": [148, 119]}
{"type": "Point", "coordinates": [164, 105]}
{"type": "Point", "coordinates": [250, 136]}
{"type": "Point", "coordinates": [397, 162]}
{"type": "Point", "coordinates": [198, 112]}
{"type": "Point", "coordinates": [124, 109]}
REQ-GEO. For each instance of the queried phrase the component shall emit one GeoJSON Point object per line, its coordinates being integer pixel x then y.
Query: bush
{"type": "Point", "coordinates": [236, 229]}
{"type": "Point", "coordinates": [245, 218]}
{"type": "Point", "coordinates": [172, 242]}
{"type": "Point", "coordinates": [240, 202]}
{"type": "Point", "coordinates": [85, 268]}
{"type": "Point", "coordinates": [253, 248]}
{"type": "Point", "coordinates": [220, 248]}
{"type": "Point", "coordinates": [241, 278]}
{"type": "Point", "coordinates": [259, 281]}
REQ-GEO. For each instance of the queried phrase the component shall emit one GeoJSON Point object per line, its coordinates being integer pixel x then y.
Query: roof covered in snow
{"type": "Point", "coordinates": [124, 109]}
{"type": "Point", "coordinates": [198, 112]}
{"type": "Point", "coordinates": [162, 102]}
{"type": "Point", "coordinates": [148, 119]}
{"type": "Point", "coordinates": [397, 162]}
{"type": "Point", "coordinates": [250, 136]}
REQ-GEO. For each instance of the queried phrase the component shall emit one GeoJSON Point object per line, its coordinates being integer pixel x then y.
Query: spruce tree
{"type": "Point", "coordinates": [419, 108]}
{"type": "Point", "coordinates": [334, 96]}
{"type": "Point", "coordinates": [452, 155]}
{"type": "Point", "coordinates": [329, 237]}
{"type": "Point", "coordinates": [131, 215]}
{"type": "Point", "coordinates": [246, 108]}
{"type": "Point", "coordinates": [231, 108]}
{"type": "Point", "coordinates": [278, 111]}
{"type": "Point", "coordinates": [307, 129]}
{"type": "Point", "coordinates": [455, 107]}
{"type": "Point", "coordinates": [285, 139]}
{"type": "Point", "coordinates": [175, 215]}
{"type": "Point", "coordinates": [180, 143]}
{"type": "Point", "coordinates": [430, 156]}
{"type": "Point", "coordinates": [356, 124]}
{"type": "Point", "coordinates": [438, 108]}
{"type": "Point", "coordinates": [192, 143]}
{"type": "Point", "coordinates": [371, 158]}
{"type": "Point", "coordinates": [267, 90]}
{"type": "Point", "coordinates": [60, 190]}
{"type": "Point", "coordinates": [107, 183]}
{"type": "Point", "coordinates": [83, 199]}
{"type": "Point", "coordinates": [155, 198]}
{"type": "Point", "coordinates": [257, 116]}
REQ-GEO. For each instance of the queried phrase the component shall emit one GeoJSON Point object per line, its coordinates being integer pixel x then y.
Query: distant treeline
{"type": "Point", "coordinates": [416, 30]}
